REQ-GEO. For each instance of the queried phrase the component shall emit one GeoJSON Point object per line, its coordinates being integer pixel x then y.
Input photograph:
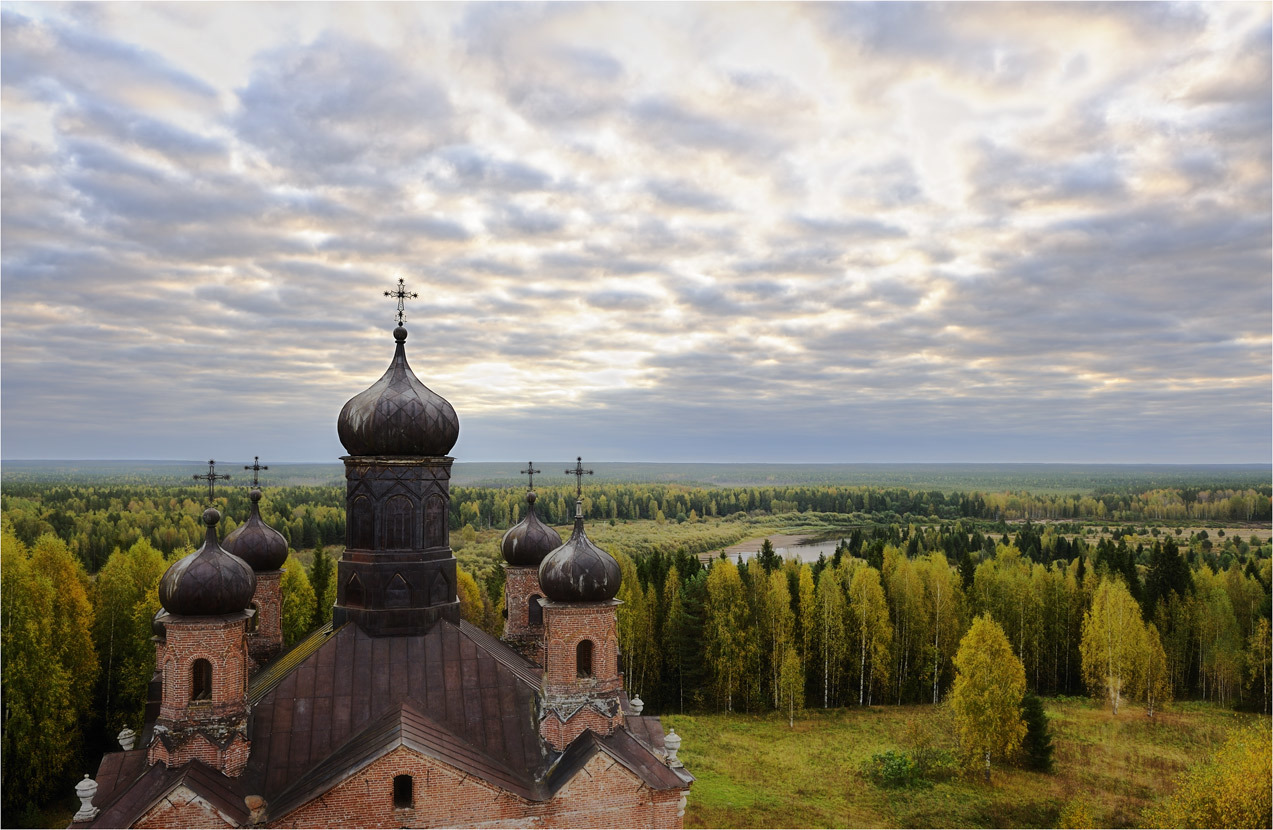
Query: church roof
{"type": "Point", "coordinates": [124, 796]}
{"type": "Point", "coordinates": [341, 699]}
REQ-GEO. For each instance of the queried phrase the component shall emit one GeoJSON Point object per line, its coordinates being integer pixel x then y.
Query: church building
{"type": "Point", "coordinates": [397, 713]}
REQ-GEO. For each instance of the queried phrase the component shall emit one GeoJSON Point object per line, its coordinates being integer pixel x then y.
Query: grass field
{"type": "Point", "coordinates": [754, 771]}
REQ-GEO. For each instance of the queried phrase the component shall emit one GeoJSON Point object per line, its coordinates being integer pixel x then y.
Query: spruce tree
{"type": "Point", "coordinates": [1036, 748]}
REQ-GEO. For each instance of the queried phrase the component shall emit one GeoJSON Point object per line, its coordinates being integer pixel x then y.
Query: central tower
{"type": "Point", "coordinates": [397, 575]}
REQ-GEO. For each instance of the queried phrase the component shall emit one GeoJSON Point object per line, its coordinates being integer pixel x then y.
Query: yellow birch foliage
{"type": "Point", "coordinates": [986, 696]}
{"type": "Point", "coordinates": [1231, 789]}
{"type": "Point", "coordinates": [298, 601]}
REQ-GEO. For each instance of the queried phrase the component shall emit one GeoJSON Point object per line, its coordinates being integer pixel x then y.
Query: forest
{"type": "Point", "coordinates": [877, 623]}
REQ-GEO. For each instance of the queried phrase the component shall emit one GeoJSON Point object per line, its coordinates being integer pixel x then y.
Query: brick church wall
{"type": "Point", "coordinates": [266, 641]}
{"type": "Point", "coordinates": [182, 808]}
{"type": "Point", "coordinates": [220, 641]}
{"type": "Point", "coordinates": [602, 794]}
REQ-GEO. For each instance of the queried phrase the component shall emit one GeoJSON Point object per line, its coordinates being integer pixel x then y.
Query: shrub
{"type": "Point", "coordinates": [890, 769]}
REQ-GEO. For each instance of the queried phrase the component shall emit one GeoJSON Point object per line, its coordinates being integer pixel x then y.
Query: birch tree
{"type": "Point", "coordinates": [986, 696]}
{"type": "Point", "coordinates": [1112, 634]}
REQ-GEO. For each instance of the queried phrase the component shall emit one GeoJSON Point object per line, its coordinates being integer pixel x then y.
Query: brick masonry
{"type": "Point", "coordinates": [183, 808]}
{"type": "Point", "coordinates": [265, 641]}
{"type": "Point", "coordinates": [571, 701]}
{"type": "Point", "coordinates": [603, 794]}
{"type": "Point", "coordinates": [213, 731]}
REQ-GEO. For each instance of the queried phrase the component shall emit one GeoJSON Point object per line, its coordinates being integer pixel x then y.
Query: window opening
{"type": "Point", "coordinates": [201, 680]}
{"type": "Point", "coordinates": [535, 612]}
{"type": "Point", "coordinates": [402, 795]}
{"type": "Point", "coordinates": [583, 658]}
{"type": "Point", "coordinates": [255, 618]}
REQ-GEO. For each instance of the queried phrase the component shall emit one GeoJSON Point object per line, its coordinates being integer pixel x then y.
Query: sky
{"type": "Point", "coordinates": [657, 232]}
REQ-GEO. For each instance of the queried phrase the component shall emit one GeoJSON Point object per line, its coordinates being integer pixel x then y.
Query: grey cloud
{"type": "Point", "coordinates": [679, 193]}
{"type": "Point", "coordinates": [620, 300]}
{"type": "Point", "coordinates": [667, 123]}
{"type": "Point", "coordinates": [340, 104]}
{"type": "Point", "coordinates": [469, 167]}
{"type": "Point", "coordinates": [519, 220]}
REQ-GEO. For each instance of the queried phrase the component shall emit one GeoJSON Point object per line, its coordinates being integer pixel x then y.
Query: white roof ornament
{"type": "Point", "coordinates": [84, 791]}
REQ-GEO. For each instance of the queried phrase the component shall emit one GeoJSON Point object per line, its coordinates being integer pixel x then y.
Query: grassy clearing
{"type": "Point", "coordinates": [753, 771]}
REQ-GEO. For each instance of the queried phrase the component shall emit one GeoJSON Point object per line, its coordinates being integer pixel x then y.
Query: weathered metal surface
{"type": "Point", "coordinates": [398, 415]}
{"type": "Point", "coordinates": [208, 582]}
{"type": "Point", "coordinates": [579, 571]}
{"type": "Point", "coordinates": [530, 540]}
{"type": "Point", "coordinates": [255, 542]}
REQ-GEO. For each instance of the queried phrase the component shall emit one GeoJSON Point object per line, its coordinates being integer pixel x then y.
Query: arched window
{"type": "Point", "coordinates": [403, 797]}
{"type": "Point", "coordinates": [255, 618]}
{"type": "Point", "coordinates": [397, 512]}
{"type": "Point", "coordinates": [535, 611]}
{"type": "Point", "coordinates": [354, 592]}
{"type": "Point", "coordinates": [360, 524]}
{"type": "Point", "coordinates": [435, 521]}
{"type": "Point", "coordinates": [201, 680]}
{"type": "Point", "coordinates": [397, 593]}
{"type": "Point", "coordinates": [583, 658]}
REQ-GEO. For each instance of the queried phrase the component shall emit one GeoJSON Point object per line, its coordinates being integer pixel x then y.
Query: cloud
{"type": "Point", "coordinates": [895, 232]}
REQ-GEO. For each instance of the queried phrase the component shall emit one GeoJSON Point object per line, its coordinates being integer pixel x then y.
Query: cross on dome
{"type": "Point", "coordinates": [579, 472]}
{"type": "Point", "coordinates": [530, 471]}
{"type": "Point", "coordinates": [402, 294]}
{"type": "Point", "coordinates": [256, 467]}
{"type": "Point", "coordinates": [211, 477]}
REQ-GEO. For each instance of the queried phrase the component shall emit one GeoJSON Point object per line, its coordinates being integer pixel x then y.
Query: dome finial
{"type": "Point", "coordinates": [211, 477]}
{"type": "Point", "coordinates": [256, 467]}
{"type": "Point", "coordinates": [402, 294]}
{"type": "Point", "coordinates": [530, 471]}
{"type": "Point", "coordinates": [579, 472]}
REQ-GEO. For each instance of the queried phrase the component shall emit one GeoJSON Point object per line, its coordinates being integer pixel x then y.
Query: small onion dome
{"type": "Point", "coordinates": [398, 415]}
{"type": "Point", "coordinates": [157, 623]}
{"type": "Point", "coordinates": [530, 540]}
{"type": "Point", "coordinates": [209, 581]}
{"type": "Point", "coordinates": [255, 542]}
{"type": "Point", "coordinates": [579, 571]}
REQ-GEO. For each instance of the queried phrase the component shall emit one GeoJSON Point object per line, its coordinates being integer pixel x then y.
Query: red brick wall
{"type": "Point", "coordinates": [191, 744]}
{"type": "Point", "coordinates": [182, 808]}
{"type": "Point", "coordinates": [519, 585]}
{"type": "Point", "coordinates": [559, 734]}
{"type": "Point", "coordinates": [267, 640]}
{"type": "Point", "coordinates": [220, 641]}
{"type": "Point", "coordinates": [565, 625]}
{"type": "Point", "coordinates": [603, 794]}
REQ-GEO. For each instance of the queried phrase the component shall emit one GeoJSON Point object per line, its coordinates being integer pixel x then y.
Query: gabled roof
{"type": "Point", "coordinates": [331, 689]}
{"type": "Point", "coordinates": [133, 798]}
{"type": "Point", "coordinates": [634, 755]}
{"type": "Point", "coordinates": [404, 726]}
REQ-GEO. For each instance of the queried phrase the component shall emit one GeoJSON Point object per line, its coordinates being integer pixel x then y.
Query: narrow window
{"type": "Point", "coordinates": [354, 592]}
{"type": "Point", "coordinates": [535, 612]}
{"type": "Point", "coordinates": [583, 658]}
{"type": "Point", "coordinates": [398, 512]}
{"type": "Point", "coordinates": [255, 618]}
{"type": "Point", "coordinates": [201, 680]}
{"type": "Point", "coordinates": [402, 795]}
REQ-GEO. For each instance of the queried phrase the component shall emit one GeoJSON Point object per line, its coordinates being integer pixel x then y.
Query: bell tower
{"type": "Point", "coordinates": [397, 575]}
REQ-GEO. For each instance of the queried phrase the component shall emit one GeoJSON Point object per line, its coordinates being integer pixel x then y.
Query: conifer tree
{"type": "Point", "coordinates": [1037, 744]}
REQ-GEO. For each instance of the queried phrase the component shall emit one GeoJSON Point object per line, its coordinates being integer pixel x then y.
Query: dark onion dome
{"type": "Point", "coordinates": [530, 540]}
{"type": "Point", "coordinates": [398, 415]}
{"type": "Point", "coordinates": [255, 542]}
{"type": "Point", "coordinates": [208, 582]}
{"type": "Point", "coordinates": [579, 571]}
{"type": "Point", "coordinates": [157, 623]}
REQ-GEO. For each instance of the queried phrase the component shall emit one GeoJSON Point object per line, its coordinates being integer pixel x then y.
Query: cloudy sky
{"type": "Point", "coordinates": [834, 232]}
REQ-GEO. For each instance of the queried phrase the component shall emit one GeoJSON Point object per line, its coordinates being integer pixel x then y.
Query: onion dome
{"type": "Point", "coordinates": [157, 623]}
{"type": "Point", "coordinates": [398, 415]}
{"type": "Point", "coordinates": [579, 571]}
{"type": "Point", "coordinates": [208, 582]}
{"type": "Point", "coordinates": [255, 542]}
{"type": "Point", "coordinates": [530, 540]}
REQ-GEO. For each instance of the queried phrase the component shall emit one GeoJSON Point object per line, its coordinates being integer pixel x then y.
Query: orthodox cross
{"type": "Point", "coordinates": [529, 471]}
{"type": "Point", "coordinates": [579, 472]}
{"type": "Point", "coordinates": [256, 467]}
{"type": "Point", "coordinates": [211, 477]}
{"type": "Point", "coordinates": [402, 294]}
